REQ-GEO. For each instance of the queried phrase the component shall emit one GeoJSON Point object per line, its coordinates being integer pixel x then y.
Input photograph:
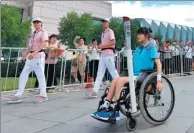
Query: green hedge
{"type": "Point", "coordinates": [12, 72]}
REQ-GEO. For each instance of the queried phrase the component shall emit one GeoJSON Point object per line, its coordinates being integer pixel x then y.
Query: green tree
{"type": "Point", "coordinates": [14, 32]}
{"type": "Point", "coordinates": [134, 27]}
{"type": "Point", "coordinates": [117, 26]}
{"type": "Point", "coordinates": [97, 30]}
{"type": "Point", "coordinates": [74, 24]}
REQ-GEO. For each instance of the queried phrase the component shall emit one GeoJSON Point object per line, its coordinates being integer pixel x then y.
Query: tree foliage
{"type": "Point", "coordinates": [134, 27]}
{"type": "Point", "coordinates": [83, 25]}
{"type": "Point", "coordinates": [159, 37]}
{"type": "Point", "coordinates": [14, 32]}
{"type": "Point", "coordinates": [72, 25]}
{"type": "Point", "coordinates": [117, 26]}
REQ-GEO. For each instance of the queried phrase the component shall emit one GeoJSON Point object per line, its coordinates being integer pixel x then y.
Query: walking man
{"type": "Point", "coordinates": [106, 61]}
{"type": "Point", "coordinates": [35, 61]}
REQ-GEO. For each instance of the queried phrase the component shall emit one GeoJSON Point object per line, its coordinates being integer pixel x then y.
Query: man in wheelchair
{"type": "Point", "coordinates": [143, 59]}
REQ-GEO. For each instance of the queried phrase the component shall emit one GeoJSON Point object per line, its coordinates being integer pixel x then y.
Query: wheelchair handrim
{"type": "Point", "coordinates": [143, 106]}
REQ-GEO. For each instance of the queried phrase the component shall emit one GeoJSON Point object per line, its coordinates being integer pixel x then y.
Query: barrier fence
{"type": "Point", "coordinates": [64, 72]}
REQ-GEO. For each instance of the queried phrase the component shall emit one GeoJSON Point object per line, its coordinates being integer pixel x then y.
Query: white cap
{"type": "Point", "coordinates": [36, 19]}
{"type": "Point", "coordinates": [105, 19]}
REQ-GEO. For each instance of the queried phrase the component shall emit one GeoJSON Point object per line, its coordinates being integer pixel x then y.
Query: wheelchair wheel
{"type": "Point", "coordinates": [125, 103]}
{"type": "Point", "coordinates": [150, 99]}
{"type": "Point", "coordinates": [131, 124]}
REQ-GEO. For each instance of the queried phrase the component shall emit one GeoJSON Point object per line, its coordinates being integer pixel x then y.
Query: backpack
{"type": "Point", "coordinates": [53, 52]}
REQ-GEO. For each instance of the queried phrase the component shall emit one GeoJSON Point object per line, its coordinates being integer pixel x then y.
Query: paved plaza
{"type": "Point", "coordinates": [70, 113]}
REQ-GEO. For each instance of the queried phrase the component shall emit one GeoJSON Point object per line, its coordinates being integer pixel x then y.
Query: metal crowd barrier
{"type": "Point", "coordinates": [180, 64]}
{"type": "Point", "coordinates": [12, 65]}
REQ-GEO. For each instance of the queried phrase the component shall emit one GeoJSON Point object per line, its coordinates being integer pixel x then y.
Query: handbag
{"type": "Point", "coordinates": [53, 52]}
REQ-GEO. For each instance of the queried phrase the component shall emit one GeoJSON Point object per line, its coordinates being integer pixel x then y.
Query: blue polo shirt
{"type": "Point", "coordinates": [143, 58]}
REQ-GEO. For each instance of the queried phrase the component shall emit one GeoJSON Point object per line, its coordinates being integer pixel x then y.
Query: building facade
{"type": "Point", "coordinates": [168, 30]}
{"type": "Point", "coordinates": [51, 11]}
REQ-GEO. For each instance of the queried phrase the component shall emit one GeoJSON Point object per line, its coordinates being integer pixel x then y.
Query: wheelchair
{"type": "Point", "coordinates": [144, 95]}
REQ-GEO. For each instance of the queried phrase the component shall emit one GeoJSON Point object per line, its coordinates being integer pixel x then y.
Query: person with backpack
{"type": "Point", "coordinates": [107, 58]}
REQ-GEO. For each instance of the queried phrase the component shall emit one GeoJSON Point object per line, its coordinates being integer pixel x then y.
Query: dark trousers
{"type": "Point", "coordinates": [187, 65]}
{"type": "Point", "coordinates": [124, 63]}
{"type": "Point", "coordinates": [93, 68]}
{"type": "Point", "coordinates": [50, 76]}
{"type": "Point", "coordinates": [167, 66]}
{"type": "Point", "coordinates": [107, 76]}
{"type": "Point", "coordinates": [176, 65]}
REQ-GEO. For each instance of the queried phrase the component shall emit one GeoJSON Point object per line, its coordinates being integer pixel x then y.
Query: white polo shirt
{"type": "Point", "coordinates": [188, 52]}
{"type": "Point", "coordinates": [175, 50]}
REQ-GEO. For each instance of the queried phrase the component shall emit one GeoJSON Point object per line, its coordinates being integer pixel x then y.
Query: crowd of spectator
{"type": "Point", "coordinates": [175, 57]}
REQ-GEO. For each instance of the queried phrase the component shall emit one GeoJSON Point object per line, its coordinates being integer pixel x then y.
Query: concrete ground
{"type": "Point", "coordinates": [70, 113]}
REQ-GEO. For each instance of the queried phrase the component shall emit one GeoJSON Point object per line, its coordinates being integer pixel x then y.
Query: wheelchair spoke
{"type": "Point", "coordinates": [153, 105]}
{"type": "Point", "coordinates": [156, 107]}
{"type": "Point", "coordinates": [156, 104]}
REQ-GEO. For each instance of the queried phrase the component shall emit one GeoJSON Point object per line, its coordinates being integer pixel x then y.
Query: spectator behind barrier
{"type": "Point", "coordinates": [167, 57]}
{"type": "Point", "coordinates": [188, 58]}
{"type": "Point", "coordinates": [94, 56]}
{"type": "Point", "coordinates": [176, 67]}
{"type": "Point", "coordinates": [81, 57]}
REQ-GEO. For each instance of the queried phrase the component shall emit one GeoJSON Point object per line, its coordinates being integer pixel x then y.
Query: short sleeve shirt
{"type": "Point", "coordinates": [188, 52]}
{"type": "Point", "coordinates": [193, 51]}
{"type": "Point", "coordinates": [106, 37]}
{"type": "Point", "coordinates": [123, 50]}
{"type": "Point", "coordinates": [143, 58]}
{"type": "Point", "coordinates": [82, 50]}
{"type": "Point", "coordinates": [37, 38]}
{"type": "Point", "coordinates": [49, 52]}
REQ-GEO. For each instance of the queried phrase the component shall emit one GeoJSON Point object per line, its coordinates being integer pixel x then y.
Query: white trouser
{"type": "Point", "coordinates": [36, 65]}
{"type": "Point", "coordinates": [105, 62]}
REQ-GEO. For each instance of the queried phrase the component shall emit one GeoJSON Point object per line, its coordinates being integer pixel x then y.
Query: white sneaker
{"type": "Point", "coordinates": [91, 94]}
{"type": "Point", "coordinates": [15, 99]}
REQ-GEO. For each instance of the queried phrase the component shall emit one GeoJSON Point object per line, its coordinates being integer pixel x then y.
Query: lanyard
{"type": "Point", "coordinates": [33, 37]}
{"type": "Point", "coordinates": [104, 33]}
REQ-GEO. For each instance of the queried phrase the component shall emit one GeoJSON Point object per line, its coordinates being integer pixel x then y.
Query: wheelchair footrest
{"type": "Point", "coordinates": [110, 120]}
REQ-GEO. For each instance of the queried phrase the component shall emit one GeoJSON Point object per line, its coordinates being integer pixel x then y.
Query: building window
{"type": "Point", "coordinates": [29, 11]}
{"type": "Point", "coordinates": [22, 14]}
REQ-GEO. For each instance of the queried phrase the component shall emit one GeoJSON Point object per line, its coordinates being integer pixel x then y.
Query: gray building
{"type": "Point", "coordinates": [168, 30]}
{"type": "Point", "coordinates": [51, 11]}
